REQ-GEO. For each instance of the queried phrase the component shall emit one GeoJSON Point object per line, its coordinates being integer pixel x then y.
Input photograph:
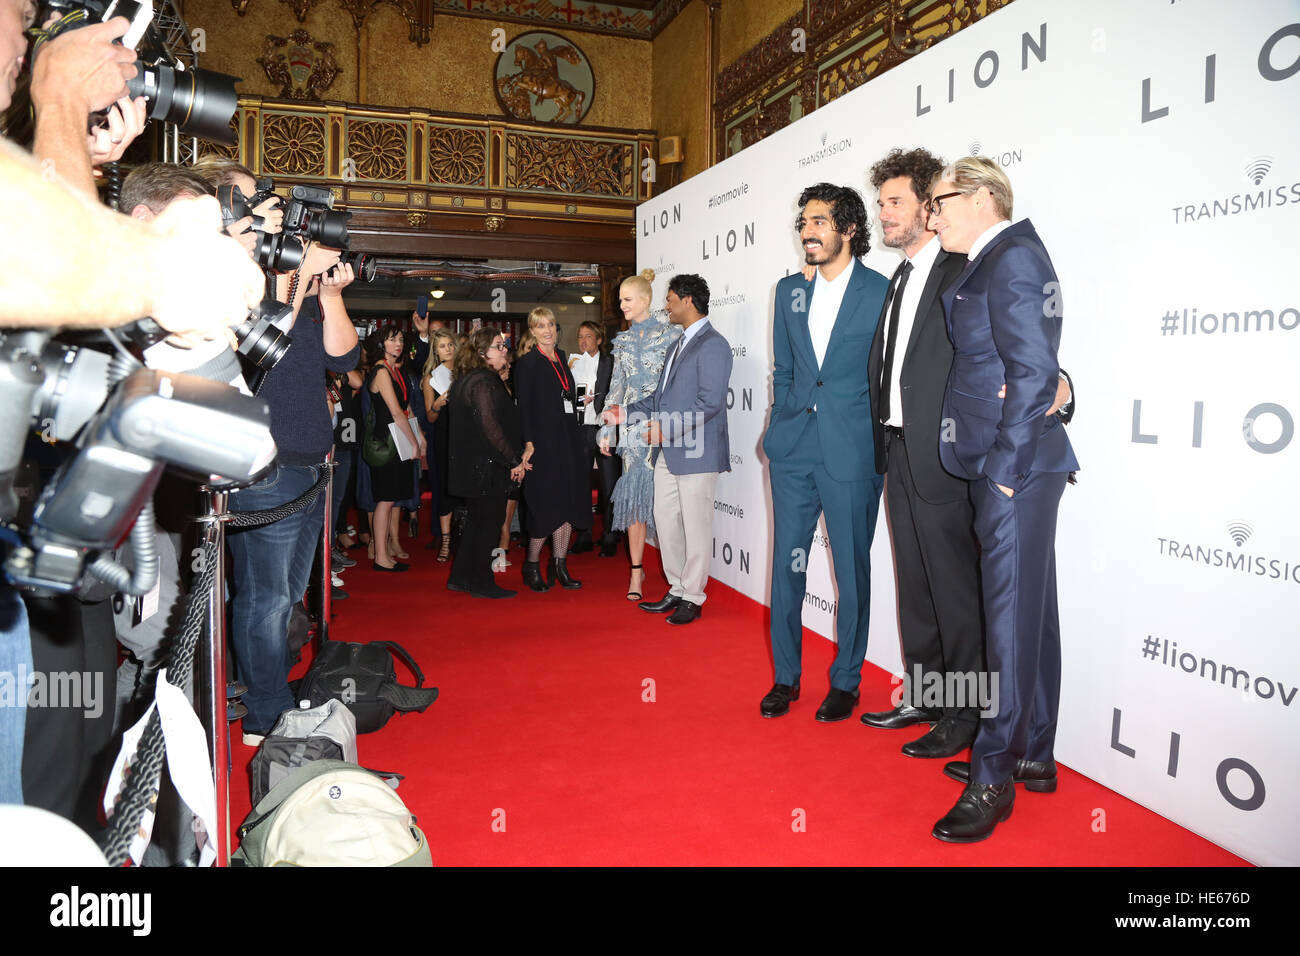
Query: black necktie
{"type": "Point", "coordinates": [903, 272]}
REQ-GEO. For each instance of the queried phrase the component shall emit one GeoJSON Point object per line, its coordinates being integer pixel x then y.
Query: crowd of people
{"type": "Point", "coordinates": [510, 455]}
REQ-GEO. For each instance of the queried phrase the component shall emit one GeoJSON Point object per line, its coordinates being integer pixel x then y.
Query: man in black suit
{"type": "Point", "coordinates": [936, 557]}
{"type": "Point", "coordinates": [592, 368]}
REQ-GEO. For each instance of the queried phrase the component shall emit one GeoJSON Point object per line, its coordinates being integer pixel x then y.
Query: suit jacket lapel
{"type": "Point", "coordinates": [682, 349]}
{"type": "Point", "coordinates": [933, 286]}
{"type": "Point", "coordinates": [848, 306]}
{"type": "Point", "coordinates": [801, 320]}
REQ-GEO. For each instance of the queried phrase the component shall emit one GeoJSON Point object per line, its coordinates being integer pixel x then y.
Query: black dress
{"type": "Point", "coordinates": [484, 445]}
{"type": "Point", "coordinates": [394, 481]}
{"type": "Point", "coordinates": [557, 490]}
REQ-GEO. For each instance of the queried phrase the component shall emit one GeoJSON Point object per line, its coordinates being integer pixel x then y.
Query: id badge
{"type": "Point", "coordinates": [568, 407]}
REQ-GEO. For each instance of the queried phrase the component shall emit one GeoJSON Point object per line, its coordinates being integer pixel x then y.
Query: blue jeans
{"type": "Point", "coordinates": [271, 567]}
{"type": "Point", "coordinates": [15, 669]}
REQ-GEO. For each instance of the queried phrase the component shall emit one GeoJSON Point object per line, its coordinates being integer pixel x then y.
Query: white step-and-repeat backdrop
{"type": "Point", "coordinates": [1156, 148]}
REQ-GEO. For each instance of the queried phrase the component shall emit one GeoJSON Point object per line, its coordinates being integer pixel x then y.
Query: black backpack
{"type": "Point", "coordinates": [362, 676]}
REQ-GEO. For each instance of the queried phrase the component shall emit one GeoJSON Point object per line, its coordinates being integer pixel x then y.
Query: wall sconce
{"type": "Point", "coordinates": [438, 293]}
{"type": "Point", "coordinates": [588, 298]}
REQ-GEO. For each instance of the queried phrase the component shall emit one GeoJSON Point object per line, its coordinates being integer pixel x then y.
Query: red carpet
{"type": "Point", "coordinates": [544, 727]}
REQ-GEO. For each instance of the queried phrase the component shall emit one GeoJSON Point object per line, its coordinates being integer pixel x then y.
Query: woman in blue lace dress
{"type": "Point", "coordinates": [638, 359]}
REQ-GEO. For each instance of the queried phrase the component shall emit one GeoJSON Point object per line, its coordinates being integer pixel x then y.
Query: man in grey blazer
{"type": "Point", "coordinates": [686, 419]}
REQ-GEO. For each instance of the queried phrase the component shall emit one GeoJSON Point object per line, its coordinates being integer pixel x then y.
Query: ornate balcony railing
{"type": "Point", "coordinates": [420, 163]}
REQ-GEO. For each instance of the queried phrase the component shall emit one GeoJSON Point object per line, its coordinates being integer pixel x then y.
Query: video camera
{"type": "Point", "coordinates": [129, 424]}
{"type": "Point", "coordinates": [309, 216]}
{"type": "Point", "coordinates": [199, 102]}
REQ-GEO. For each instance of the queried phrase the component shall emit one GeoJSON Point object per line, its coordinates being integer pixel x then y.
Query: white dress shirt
{"type": "Point", "coordinates": [584, 368]}
{"type": "Point", "coordinates": [986, 237]}
{"type": "Point", "coordinates": [922, 263]}
{"type": "Point", "coordinates": [825, 307]}
{"type": "Point", "coordinates": [687, 335]}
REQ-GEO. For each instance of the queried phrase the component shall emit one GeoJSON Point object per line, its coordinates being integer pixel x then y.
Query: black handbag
{"type": "Point", "coordinates": [362, 676]}
{"type": "Point", "coordinates": [377, 451]}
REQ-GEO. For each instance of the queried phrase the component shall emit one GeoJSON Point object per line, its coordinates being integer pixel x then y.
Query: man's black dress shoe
{"type": "Point", "coordinates": [946, 738]}
{"type": "Point", "coordinates": [838, 705]}
{"type": "Point", "coordinates": [580, 546]}
{"type": "Point", "coordinates": [609, 547]}
{"type": "Point", "coordinates": [1036, 775]}
{"type": "Point", "coordinates": [685, 613]}
{"type": "Point", "coordinates": [663, 605]}
{"type": "Point", "coordinates": [778, 700]}
{"type": "Point", "coordinates": [904, 715]}
{"type": "Point", "coordinates": [977, 812]}
{"type": "Point", "coordinates": [494, 592]}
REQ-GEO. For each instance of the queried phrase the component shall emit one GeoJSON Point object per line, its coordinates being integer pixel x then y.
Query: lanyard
{"type": "Point", "coordinates": [560, 371]}
{"type": "Point", "coordinates": [397, 379]}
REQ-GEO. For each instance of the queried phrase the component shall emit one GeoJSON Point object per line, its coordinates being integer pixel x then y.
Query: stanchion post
{"type": "Point", "coordinates": [211, 691]}
{"type": "Point", "coordinates": [327, 552]}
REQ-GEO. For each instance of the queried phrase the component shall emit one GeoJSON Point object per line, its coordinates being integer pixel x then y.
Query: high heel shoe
{"type": "Point", "coordinates": [444, 551]}
{"type": "Point", "coordinates": [562, 577]}
{"type": "Point", "coordinates": [397, 566]}
{"type": "Point", "coordinates": [636, 595]}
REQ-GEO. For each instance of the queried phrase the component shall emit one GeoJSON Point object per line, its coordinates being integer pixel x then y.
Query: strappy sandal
{"type": "Point", "coordinates": [444, 552]}
{"type": "Point", "coordinates": [636, 595]}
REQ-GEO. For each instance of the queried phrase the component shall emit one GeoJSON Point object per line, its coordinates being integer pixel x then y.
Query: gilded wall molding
{"type": "Point", "coordinates": [609, 18]}
{"type": "Point", "coordinates": [844, 44]}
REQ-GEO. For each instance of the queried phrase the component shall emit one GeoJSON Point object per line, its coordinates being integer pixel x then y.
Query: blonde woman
{"type": "Point", "coordinates": [556, 492]}
{"type": "Point", "coordinates": [435, 383]}
{"type": "Point", "coordinates": [639, 354]}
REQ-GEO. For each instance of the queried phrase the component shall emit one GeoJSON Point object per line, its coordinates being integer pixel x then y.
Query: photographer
{"type": "Point", "coordinates": [75, 253]}
{"type": "Point", "coordinates": [272, 563]}
{"type": "Point", "coordinates": [74, 75]}
{"type": "Point", "coordinates": [180, 271]}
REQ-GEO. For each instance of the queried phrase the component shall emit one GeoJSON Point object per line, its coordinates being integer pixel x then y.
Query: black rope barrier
{"type": "Point", "coordinates": [145, 769]}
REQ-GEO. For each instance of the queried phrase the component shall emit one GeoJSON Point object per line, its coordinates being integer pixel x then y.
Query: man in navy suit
{"type": "Point", "coordinates": [686, 420]}
{"type": "Point", "coordinates": [819, 441]}
{"type": "Point", "coordinates": [1004, 317]}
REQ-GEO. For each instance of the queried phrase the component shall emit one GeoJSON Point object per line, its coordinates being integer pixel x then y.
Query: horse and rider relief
{"type": "Point", "coordinates": [544, 78]}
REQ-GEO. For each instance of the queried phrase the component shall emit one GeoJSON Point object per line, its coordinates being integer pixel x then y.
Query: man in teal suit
{"type": "Point", "coordinates": [819, 442]}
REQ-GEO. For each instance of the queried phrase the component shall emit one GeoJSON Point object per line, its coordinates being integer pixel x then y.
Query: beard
{"type": "Point", "coordinates": [828, 252]}
{"type": "Point", "coordinates": [906, 234]}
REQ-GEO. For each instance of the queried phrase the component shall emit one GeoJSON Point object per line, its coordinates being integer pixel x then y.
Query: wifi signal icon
{"type": "Point", "coordinates": [975, 148]}
{"type": "Point", "coordinates": [1258, 168]}
{"type": "Point", "coordinates": [1240, 531]}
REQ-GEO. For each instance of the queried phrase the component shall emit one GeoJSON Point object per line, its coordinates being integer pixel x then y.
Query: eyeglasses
{"type": "Point", "coordinates": [935, 205]}
{"type": "Point", "coordinates": [501, 346]}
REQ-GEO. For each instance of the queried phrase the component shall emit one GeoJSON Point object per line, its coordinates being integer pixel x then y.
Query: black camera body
{"type": "Point", "coordinates": [309, 216]}
{"type": "Point", "coordinates": [199, 102]}
{"type": "Point", "coordinates": [277, 253]}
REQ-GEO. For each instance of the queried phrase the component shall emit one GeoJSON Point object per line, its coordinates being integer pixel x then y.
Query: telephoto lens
{"type": "Point", "coordinates": [363, 264]}
{"type": "Point", "coordinates": [260, 340]}
{"type": "Point", "coordinates": [199, 102]}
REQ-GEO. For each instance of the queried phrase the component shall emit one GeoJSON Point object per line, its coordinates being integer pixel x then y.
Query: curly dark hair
{"type": "Point", "coordinates": [693, 286]}
{"type": "Point", "coordinates": [847, 209]}
{"type": "Point", "coordinates": [919, 165]}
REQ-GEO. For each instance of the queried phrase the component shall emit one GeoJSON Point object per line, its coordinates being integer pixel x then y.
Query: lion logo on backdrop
{"type": "Point", "coordinates": [302, 67]}
{"type": "Point", "coordinates": [544, 78]}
